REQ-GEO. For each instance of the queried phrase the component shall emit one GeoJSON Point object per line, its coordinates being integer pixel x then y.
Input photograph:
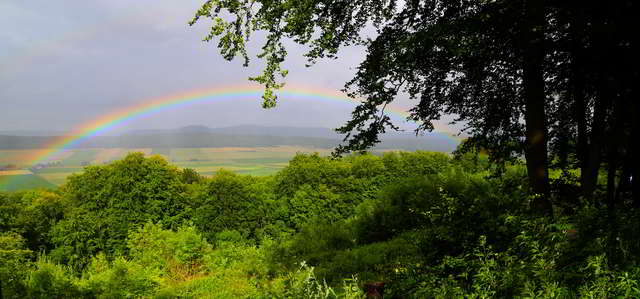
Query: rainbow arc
{"type": "Point", "coordinates": [152, 106]}
{"type": "Point", "coordinates": [148, 107]}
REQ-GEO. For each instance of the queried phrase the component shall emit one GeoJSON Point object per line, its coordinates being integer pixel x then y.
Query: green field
{"type": "Point", "coordinates": [207, 161]}
{"type": "Point", "coordinates": [23, 181]}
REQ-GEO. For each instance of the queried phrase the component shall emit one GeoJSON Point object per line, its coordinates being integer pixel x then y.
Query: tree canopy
{"type": "Point", "coordinates": [550, 80]}
{"type": "Point", "coordinates": [428, 225]}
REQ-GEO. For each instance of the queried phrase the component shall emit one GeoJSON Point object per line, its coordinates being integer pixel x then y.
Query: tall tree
{"type": "Point", "coordinates": [497, 65]}
{"type": "Point", "coordinates": [534, 94]}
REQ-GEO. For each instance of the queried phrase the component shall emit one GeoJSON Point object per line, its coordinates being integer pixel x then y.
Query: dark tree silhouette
{"type": "Point", "coordinates": [534, 78]}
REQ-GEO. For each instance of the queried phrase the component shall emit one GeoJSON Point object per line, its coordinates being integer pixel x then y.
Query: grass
{"type": "Point", "coordinates": [24, 181]}
{"type": "Point", "coordinates": [56, 178]}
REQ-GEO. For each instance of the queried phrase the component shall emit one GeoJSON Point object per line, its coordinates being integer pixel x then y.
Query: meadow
{"type": "Point", "coordinates": [257, 161]}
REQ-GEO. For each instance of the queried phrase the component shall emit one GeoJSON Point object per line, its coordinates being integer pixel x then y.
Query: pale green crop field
{"type": "Point", "coordinates": [257, 161]}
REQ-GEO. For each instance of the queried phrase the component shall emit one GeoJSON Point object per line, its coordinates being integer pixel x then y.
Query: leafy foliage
{"type": "Point", "coordinates": [108, 201]}
{"type": "Point", "coordinates": [16, 260]}
{"type": "Point", "coordinates": [421, 225]}
{"type": "Point", "coordinates": [229, 202]}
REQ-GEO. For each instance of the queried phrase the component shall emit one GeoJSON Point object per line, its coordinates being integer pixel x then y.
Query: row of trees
{"type": "Point", "coordinates": [553, 81]}
{"type": "Point", "coordinates": [95, 211]}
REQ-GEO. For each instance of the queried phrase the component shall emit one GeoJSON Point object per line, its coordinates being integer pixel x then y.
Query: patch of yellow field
{"type": "Point", "coordinates": [15, 172]}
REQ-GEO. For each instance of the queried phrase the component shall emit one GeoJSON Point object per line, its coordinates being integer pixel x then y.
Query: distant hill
{"type": "Point", "coordinates": [237, 136]}
{"type": "Point", "coordinates": [251, 130]}
{"type": "Point", "coordinates": [31, 133]}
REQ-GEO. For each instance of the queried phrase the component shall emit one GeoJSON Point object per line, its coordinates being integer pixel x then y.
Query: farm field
{"type": "Point", "coordinates": [13, 182]}
{"type": "Point", "coordinates": [207, 161]}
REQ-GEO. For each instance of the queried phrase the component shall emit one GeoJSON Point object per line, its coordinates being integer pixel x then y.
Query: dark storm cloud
{"type": "Point", "coordinates": [67, 62]}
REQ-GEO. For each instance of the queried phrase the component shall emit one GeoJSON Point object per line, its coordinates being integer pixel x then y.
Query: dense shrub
{"type": "Point", "coordinates": [49, 280]}
{"type": "Point", "coordinates": [15, 263]}
{"type": "Point", "coordinates": [317, 187]}
{"type": "Point", "coordinates": [108, 201]}
{"type": "Point", "coordinates": [230, 202]}
{"type": "Point", "coordinates": [118, 279]}
{"type": "Point", "coordinates": [32, 214]}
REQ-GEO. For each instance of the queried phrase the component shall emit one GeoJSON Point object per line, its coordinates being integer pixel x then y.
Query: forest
{"type": "Point", "coordinates": [405, 224]}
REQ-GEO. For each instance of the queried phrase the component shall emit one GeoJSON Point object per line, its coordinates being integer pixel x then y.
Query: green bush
{"type": "Point", "coordinates": [118, 279]}
{"type": "Point", "coordinates": [32, 214]}
{"type": "Point", "coordinates": [453, 208]}
{"type": "Point", "coordinates": [230, 202]}
{"type": "Point", "coordinates": [108, 201]}
{"type": "Point", "coordinates": [15, 264]}
{"type": "Point", "coordinates": [49, 280]}
{"type": "Point", "coordinates": [174, 254]}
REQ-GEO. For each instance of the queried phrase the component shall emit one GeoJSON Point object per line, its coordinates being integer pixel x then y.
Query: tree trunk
{"type": "Point", "coordinates": [616, 134]}
{"type": "Point", "coordinates": [611, 216]}
{"type": "Point", "coordinates": [563, 136]}
{"type": "Point", "coordinates": [588, 146]}
{"type": "Point", "coordinates": [579, 100]}
{"type": "Point", "coordinates": [589, 178]}
{"type": "Point", "coordinates": [535, 117]}
{"type": "Point", "coordinates": [635, 152]}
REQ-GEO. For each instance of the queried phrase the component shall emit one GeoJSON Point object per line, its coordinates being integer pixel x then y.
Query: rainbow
{"type": "Point", "coordinates": [151, 106]}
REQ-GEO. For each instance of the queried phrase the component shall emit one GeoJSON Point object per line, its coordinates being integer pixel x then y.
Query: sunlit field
{"type": "Point", "coordinates": [257, 161]}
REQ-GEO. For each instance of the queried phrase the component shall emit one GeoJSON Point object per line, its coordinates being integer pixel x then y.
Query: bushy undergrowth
{"type": "Point", "coordinates": [419, 225]}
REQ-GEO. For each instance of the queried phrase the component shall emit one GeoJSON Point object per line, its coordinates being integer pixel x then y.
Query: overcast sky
{"type": "Point", "coordinates": [64, 63]}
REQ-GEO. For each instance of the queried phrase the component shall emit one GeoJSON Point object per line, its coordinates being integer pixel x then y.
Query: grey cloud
{"type": "Point", "coordinates": [68, 62]}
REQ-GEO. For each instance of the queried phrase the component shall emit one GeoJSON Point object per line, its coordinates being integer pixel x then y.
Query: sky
{"type": "Point", "coordinates": [64, 63]}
